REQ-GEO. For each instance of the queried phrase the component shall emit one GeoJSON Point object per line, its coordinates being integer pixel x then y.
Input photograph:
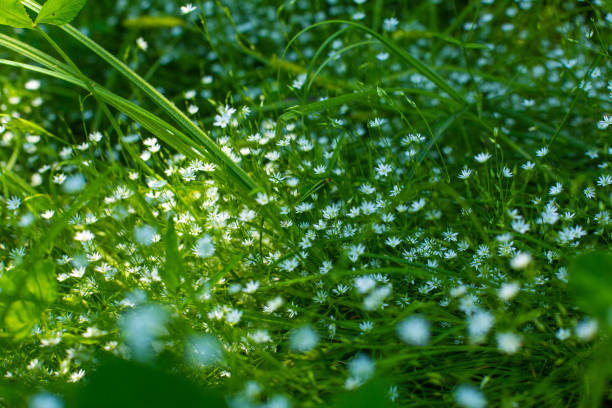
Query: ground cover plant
{"type": "Point", "coordinates": [305, 203]}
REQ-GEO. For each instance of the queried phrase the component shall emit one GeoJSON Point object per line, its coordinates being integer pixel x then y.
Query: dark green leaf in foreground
{"type": "Point", "coordinates": [590, 279]}
{"type": "Point", "coordinates": [59, 12]}
{"type": "Point", "coordinates": [12, 13]}
{"type": "Point", "coordinates": [372, 394]}
{"type": "Point", "coordinates": [117, 383]}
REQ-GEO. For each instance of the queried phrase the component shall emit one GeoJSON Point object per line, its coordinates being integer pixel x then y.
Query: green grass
{"type": "Point", "coordinates": [307, 203]}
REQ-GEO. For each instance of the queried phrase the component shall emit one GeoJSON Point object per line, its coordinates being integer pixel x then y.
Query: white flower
{"type": "Point", "coordinates": [414, 331]}
{"type": "Point", "coordinates": [59, 178]}
{"type": "Point", "coordinates": [366, 326]}
{"type": "Point", "coordinates": [563, 334]}
{"type": "Point", "coordinates": [509, 290]}
{"type": "Point", "coordinates": [142, 44]}
{"type": "Point", "coordinates": [465, 173]}
{"type": "Point", "coordinates": [76, 376]}
{"type": "Point", "coordinates": [364, 283]}
{"type": "Point", "coordinates": [390, 24]}
{"type": "Point", "coordinates": [569, 234]}
{"type": "Point", "coordinates": [303, 339]}
{"type": "Point", "coordinates": [204, 247]}
{"type": "Point", "coordinates": [45, 400]}
{"type": "Point", "coordinates": [203, 350]}
{"type": "Point", "coordinates": [556, 189]}
{"type": "Point", "coordinates": [604, 180]}
{"type": "Point", "coordinates": [93, 331]}
{"type": "Point", "coordinates": [469, 396]}
{"type": "Point", "coordinates": [299, 82]}
{"type": "Point", "coordinates": [141, 326]}
{"type": "Point", "coordinates": [520, 260]}
{"type": "Point", "coordinates": [376, 122]}
{"type": "Point", "coordinates": [32, 85]}
{"type": "Point", "coordinates": [233, 316]}
{"type": "Point", "coordinates": [355, 251]}
{"type": "Point", "coordinates": [417, 205]}
{"type": "Point", "coordinates": [192, 109]}
{"type": "Point", "coordinates": [260, 336]}
{"type": "Point", "coordinates": [586, 329]}
{"type": "Point", "coordinates": [187, 8]}
{"type": "Point", "coordinates": [393, 241]}
{"type": "Point", "coordinates": [13, 203]}
{"type": "Point", "coordinates": [482, 157]}
{"type": "Point", "coordinates": [74, 184]}
{"type": "Point", "coordinates": [144, 234]}
{"type": "Point", "coordinates": [95, 137]}
{"type": "Point", "coordinates": [78, 272]}
{"type": "Point", "coordinates": [273, 304]}
{"type": "Point", "coordinates": [479, 325]}
{"type": "Point", "coordinates": [605, 122]}
{"type": "Point", "coordinates": [528, 165]}
{"type": "Point", "coordinates": [84, 236]}
{"type": "Point", "coordinates": [520, 226]}
{"type": "Point", "coordinates": [509, 342]}
{"type": "Point", "coordinates": [47, 214]}
{"type": "Point", "coordinates": [224, 116]}
{"type": "Point", "coordinates": [251, 287]}
{"type": "Point", "coordinates": [375, 299]}
{"type": "Point", "coordinates": [383, 169]}
{"type": "Point", "coordinates": [361, 369]}
{"type": "Point", "coordinates": [549, 215]}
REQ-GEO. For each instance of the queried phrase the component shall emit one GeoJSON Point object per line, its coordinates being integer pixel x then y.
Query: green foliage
{"type": "Point", "coordinates": [119, 383]}
{"type": "Point", "coordinates": [13, 13]}
{"type": "Point", "coordinates": [172, 269]}
{"type": "Point", "coordinates": [20, 317]}
{"type": "Point", "coordinates": [40, 283]}
{"type": "Point", "coordinates": [59, 12]}
{"type": "Point", "coordinates": [325, 203]}
{"type": "Point", "coordinates": [590, 279]}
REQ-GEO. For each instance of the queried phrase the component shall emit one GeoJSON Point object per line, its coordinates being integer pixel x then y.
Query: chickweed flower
{"type": "Point", "coordinates": [414, 331]}
{"type": "Point", "coordinates": [303, 339]}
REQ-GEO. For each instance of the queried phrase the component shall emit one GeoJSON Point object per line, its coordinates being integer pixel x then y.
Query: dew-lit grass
{"type": "Point", "coordinates": [305, 203]}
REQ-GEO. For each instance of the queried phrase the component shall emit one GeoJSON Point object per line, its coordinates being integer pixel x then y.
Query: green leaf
{"type": "Point", "coordinates": [590, 280]}
{"type": "Point", "coordinates": [59, 12]}
{"type": "Point", "coordinates": [41, 283]}
{"type": "Point", "coordinates": [12, 13]}
{"type": "Point", "coordinates": [172, 269]}
{"type": "Point", "coordinates": [20, 317]}
{"type": "Point", "coordinates": [137, 386]}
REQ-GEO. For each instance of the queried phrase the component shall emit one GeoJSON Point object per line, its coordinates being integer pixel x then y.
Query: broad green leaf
{"type": "Point", "coordinates": [59, 12]}
{"type": "Point", "coordinates": [134, 386]}
{"type": "Point", "coordinates": [41, 283]}
{"type": "Point", "coordinates": [590, 280]}
{"type": "Point", "coordinates": [12, 13]}
{"type": "Point", "coordinates": [172, 268]}
{"type": "Point", "coordinates": [20, 317]}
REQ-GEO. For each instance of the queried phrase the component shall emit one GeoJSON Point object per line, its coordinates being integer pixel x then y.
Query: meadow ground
{"type": "Point", "coordinates": [300, 203]}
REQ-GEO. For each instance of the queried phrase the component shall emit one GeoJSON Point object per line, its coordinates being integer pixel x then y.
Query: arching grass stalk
{"type": "Point", "coordinates": [420, 67]}
{"type": "Point", "coordinates": [244, 181]}
{"type": "Point", "coordinates": [86, 81]}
